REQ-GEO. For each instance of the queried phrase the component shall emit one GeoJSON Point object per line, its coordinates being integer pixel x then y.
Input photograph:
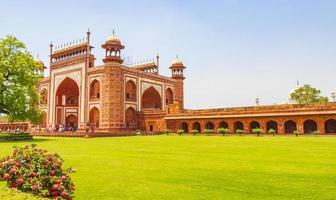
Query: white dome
{"type": "Point", "coordinates": [177, 61]}
{"type": "Point", "coordinates": [113, 39]}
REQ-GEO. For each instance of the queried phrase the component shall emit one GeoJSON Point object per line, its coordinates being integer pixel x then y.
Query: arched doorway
{"type": "Point", "coordinates": [94, 117]}
{"type": "Point", "coordinates": [130, 118]}
{"type": "Point", "coordinates": [223, 124]}
{"type": "Point", "coordinates": [130, 91]}
{"type": "Point", "coordinates": [94, 90]}
{"type": "Point", "coordinates": [67, 96]}
{"type": "Point", "coordinates": [197, 126]}
{"type": "Point", "coordinates": [185, 127]}
{"type": "Point", "coordinates": [238, 125]}
{"type": "Point", "coordinates": [169, 96]}
{"type": "Point", "coordinates": [151, 99]}
{"type": "Point", "coordinates": [330, 126]}
{"type": "Point", "coordinates": [210, 126]}
{"type": "Point", "coordinates": [272, 125]}
{"type": "Point", "coordinates": [309, 126]}
{"type": "Point", "coordinates": [254, 125]}
{"type": "Point", "coordinates": [290, 126]}
{"type": "Point", "coordinates": [71, 121]}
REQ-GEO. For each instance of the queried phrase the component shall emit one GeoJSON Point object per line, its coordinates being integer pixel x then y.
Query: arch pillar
{"type": "Point", "coordinates": [299, 125]}
{"type": "Point", "coordinates": [320, 125]}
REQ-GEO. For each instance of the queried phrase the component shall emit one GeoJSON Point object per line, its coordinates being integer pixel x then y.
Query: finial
{"type": "Point", "coordinates": [177, 56]}
{"type": "Point", "coordinates": [297, 83]}
{"type": "Point", "coordinates": [88, 30]}
{"type": "Point", "coordinates": [113, 31]}
{"type": "Point", "coordinates": [38, 56]}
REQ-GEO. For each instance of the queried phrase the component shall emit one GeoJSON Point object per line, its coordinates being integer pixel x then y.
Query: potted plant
{"type": "Point", "coordinates": [194, 131]}
{"type": "Point", "coordinates": [257, 131]}
{"type": "Point", "coordinates": [180, 131]}
{"type": "Point", "coordinates": [271, 131]}
{"type": "Point", "coordinates": [239, 131]}
{"type": "Point", "coordinates": [167, 131]}
{"type": "Point", "coordinates": [223, 131]}
{"type": "Point", "coordinates": [208, 131]}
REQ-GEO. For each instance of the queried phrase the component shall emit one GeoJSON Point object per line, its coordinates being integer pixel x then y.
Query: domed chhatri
{"type": "Point", "coordinates": [177, 61]}
{"type": "Point", "coordinates": [113, 39]}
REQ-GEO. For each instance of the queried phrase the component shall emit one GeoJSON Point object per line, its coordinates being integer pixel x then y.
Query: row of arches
{"type": "Point", "coordinates": [289, 126]}
{"type": "Point", "coordinates": [69, 55]}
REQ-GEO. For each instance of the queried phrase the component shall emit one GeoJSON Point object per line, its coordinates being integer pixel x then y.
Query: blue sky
{"type": "Point", "coordinates": [234, 50]}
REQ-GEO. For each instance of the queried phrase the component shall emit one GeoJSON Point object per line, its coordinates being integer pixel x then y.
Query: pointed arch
{"type": "Point", "coordinates": [71, 121]}
{"type": "Point", "coordinates": [185, 127]}
{"type": "Point", "coordinates": [94, 90]}
{"type": "Point", "coordinates": [151, 99]}
{"type": "Point", "coordinates": [223, 124]}
{"type": "Point", "coordinates": [309, 126]}
{"type": "Point", "coordinates": [169, 96]}
{"type": "Point", "coordinates": [238, 125]}
{"type": "Point", "coordinates": [253, 125]}
{"type": "Point", "coordinates": [272, 125]}
{"type": "Point", "coordinates": [290, 126]}
{"type": "Point", "coordinates": [197, 126]}
{"type": "Point", "coordinates": [330, 126]}
{"type": "Point", "coordinates": [210, 125]}
{"type": "Point", "coordinates": [94, 117]}
{"type": "Point", "coordinates": [130, 91]}
{"type": "Point", "coordinates": [130, 118]}
{"type": "Point", "coordinates": [70, 90]}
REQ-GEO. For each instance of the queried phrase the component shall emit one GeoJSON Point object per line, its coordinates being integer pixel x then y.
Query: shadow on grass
{"type": "Point", "coordinates": [34, 140]}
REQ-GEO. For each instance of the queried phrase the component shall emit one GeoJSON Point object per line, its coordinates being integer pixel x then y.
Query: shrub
{"type": "Point", "coordinates": [208, 131]}
{"type": "Point", "coordinates": [180, 131]}
{"type": "Point", "coordinates": [239, 131]}
{"type": "Point", "coordinates": [167, 131]}
{"type": "Point", "coordinates": [257, 131]}
{"type": "Point", "coordinates": [315, 132]}
{"type": "Point", "coordinates": [271, 131]}
{"type": "Point", "coordinates": [223, 131]}
{"type": "Point", "coordinates": [36, 171]}
{"type": "Point", "coordinates": [194, 131]}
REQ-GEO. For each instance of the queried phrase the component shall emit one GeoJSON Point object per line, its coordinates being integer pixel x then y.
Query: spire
{"type": "Point", "coordinates": [297, 83]}
{"type": "Point", "coordinates": [113, 31]}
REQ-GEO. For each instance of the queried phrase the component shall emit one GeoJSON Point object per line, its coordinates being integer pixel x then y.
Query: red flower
{"type": "Point", "coordinates": [6, 177]}
{"type": "Point", "coordinates": [20, 181]}
{"type": "Point", "coordinates": [17, 164]}
{"type": "Point", "coordinates": [64, 194]}
{"type": "Point", "coordinates": [55, 187]}
{"type": "Point", "coordinates": [52, 173]}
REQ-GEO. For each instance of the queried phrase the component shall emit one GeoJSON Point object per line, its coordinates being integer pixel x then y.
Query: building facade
{"type": "Point", "coordinates": [115, 97]}
{"type": "Point", "coordinates": [112, 97]}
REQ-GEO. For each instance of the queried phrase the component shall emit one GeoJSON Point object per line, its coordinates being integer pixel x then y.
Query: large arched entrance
{"type": "Point", "coordinates": [272, 125]}
{"type": "Point", "coordinates": [254, 125]}
{"type": "Point", "coordinates": [151, 99]}
{"type": "Point", "coordinates": [169, 96]}
{"type": "Point", "coordinates": [330, 126]}
{"type": "Point", "coordinates": [197, 126]}
{"type": "Point", "coordinates": [130, 91]}
{"type": "Point", "coordinates": [185, 127]}
{"type": "Point", "coordinates": [94, 117]}
{"type": "Point", "coordinates": [309, 126]}
{"type": "Point", "coordinates": [67, 102]}
{"type": "Point", "coordinates": [130, 118]}
{"type": "Point", "coordinates": [94, 90]}
{"type": "Point", "coordinates": [290, 126]}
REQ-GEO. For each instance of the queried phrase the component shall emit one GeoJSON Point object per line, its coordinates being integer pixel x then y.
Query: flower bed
{"type": "Point", "coordinates": [15, 136]}
{"type": "Point", "coordinates": [36, 171]}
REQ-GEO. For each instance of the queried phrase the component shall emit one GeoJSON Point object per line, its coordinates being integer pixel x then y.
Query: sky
{"type": "Point", "coordinates": [234, 50]}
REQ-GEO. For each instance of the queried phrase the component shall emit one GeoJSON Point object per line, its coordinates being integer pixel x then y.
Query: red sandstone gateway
{"type": "Point", "coordinates": [117, 97]}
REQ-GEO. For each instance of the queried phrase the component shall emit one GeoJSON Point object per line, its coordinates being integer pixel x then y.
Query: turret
{"type": "Point", "coordinates": [177, 68]}
{"type": "Point", "coordinates": [112, 48]}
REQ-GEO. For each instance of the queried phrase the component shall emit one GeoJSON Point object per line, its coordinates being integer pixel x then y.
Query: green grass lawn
{"type": "Point", "coordinates": [198, 167]}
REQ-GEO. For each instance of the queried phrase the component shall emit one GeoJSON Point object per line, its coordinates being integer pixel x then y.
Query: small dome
{"type": "Point", "coordinates": [177, 61]}
{"type": "Point", "coordinates": [113, 39]}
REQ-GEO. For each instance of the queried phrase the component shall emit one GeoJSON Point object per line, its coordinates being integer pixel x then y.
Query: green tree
{"type": "Point", "coordinates": [257, 131]}
{"type": "Point", "coordinates": [180, 131]}
{"type": "Point", "coordinates": [194, 131]}
{"type": "Point", "coordinates": [239, 131]}
{"type": "Point", "coordinates": [18, 78]}
{"type": "Point", "coordinates": [271, 131]}
{"type": "Point", "coordinates": [307, 94]}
